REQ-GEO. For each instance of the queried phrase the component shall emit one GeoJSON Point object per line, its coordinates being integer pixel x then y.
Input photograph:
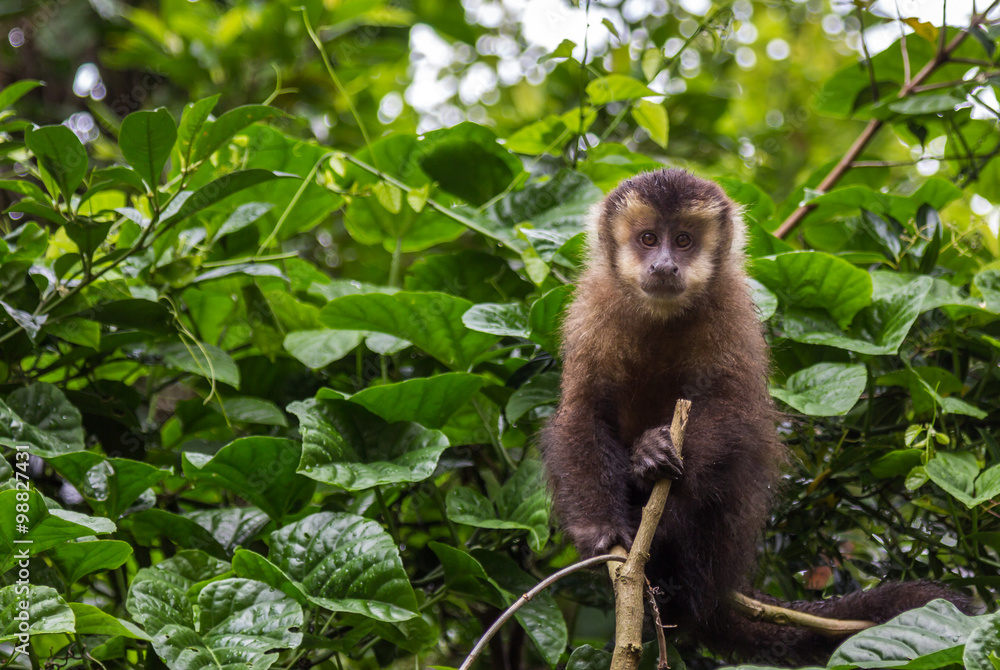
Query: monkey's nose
{"type": "Point", "coordinates": [664, 269]}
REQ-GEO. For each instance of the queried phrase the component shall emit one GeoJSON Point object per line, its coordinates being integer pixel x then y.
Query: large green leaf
{"type": "Point", "coordinates": [238, 622]}
{"type": "Point", "coordinates": [345, 563]}
{"type": "Point", "coordinates": [318, 348]}
{"type": "Point", "coordinates": [503, 319]}
{"type": "Point", "coordinates": [348, 447]}
{"type": "Point", "coordinates": [882, 326]}
{"type": "Point", "coordinates": [260, 469]}
{"type": "Point", "coordinates": [41, 417]}
{"type": "Point", "coordinates": [193, 120]}
{"type": "Point", "coordinates": [467, 161]}
{"type": "Point", "coordinates": [190, 203]}
{"type": "Point", "coordinates": [814, 279]}
{"type": "Point", "coordinates": [982, 648]}
{"type": "Point", "coordinates": [522, 504]}
{"type": "Point", "coordinates": [212, 135]}
{"type": "Point", "coordinates": [932, 636]}
{"type": "Point", "coordinates": [109, 485]}
{"type": "Point", "coordinates": [560, 204]}
{"type": "Point", "coordinates": [429, 401]}
{"type": "Point", "coordinates": [93, 621]}
{"type": "Point", "coordinates": [203, 360]}
{"type": "Point", "coordinates": [232, 526]}
{"type": "Point", "coordinates": [14, 92]}
{"type": "Point", "coordinates": [78, 559]}
{"type": "Point", "coordinates": [146, 138]}
{"type": "Point", "coordinates": [148, 525]}
{"type": "Point", "coordinates": [541, 389]}
{"type": "Point", "coordinates": [431, 321]}
{"type": "Point", "coordinates": [616, 87]}
{"type": "Point", "coordinates": [42, 528]}
{"type": "Point", "coordinates": [47, 612]}
{"type": "Point", "coordinates": [824, 389]}
{"type": "Point", "coordinates": [958, 473]}
{"type": "Point", "coordinates": [60, 154]}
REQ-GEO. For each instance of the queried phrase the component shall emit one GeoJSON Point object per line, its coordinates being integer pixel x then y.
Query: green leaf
{"type": "Point", "coordinates": [242, 217]}
{"type": "Point", "coordinates": [203, 360]}
{"type": "Point", "coordinates": [560, 204]}
{"type": "Point", "coordinates": [825, 389]}
{"type": "Point", "coordinates": [883, 326]}
{"type": "Point", "coordinates": [231, 526]}
{"type": "Point", "coordinates": [546, 315]}
{"type": "Point", "coordinates": [932, 636]}
{"type": "Point", "coordinates": [653, 117]}
{"type": "Point", "coordinates": [429, 401]}
{"type": "Point", "coordinates": [348, 447]}
{"type": "Point", "coordinates": [148, 525]}
{"type": "Point", "coordinates": [345, 563]}
{"type": "Point", "coordinates": [211, 136]}
{"type": "Point", "coordinates": [818, 280]}
{"type": "Point", "coordinates": [613, 87]}
{"type": "Point", "coordinates": [431, 321]}
{"type": "Point", "coordinates": [586, 657]}
{"type": "Point", "coordinates": [959, 475]}
{"type": "Point", "coordinates": [318, 348]}
{"type": "Point", "coordinates": [508, 319]}
{"type": "Point", "coordinates": [60, 153]}
{"type": "Point", "coordinates": [11, 94]}
{"type": "Point", "coordinates": [239, 621]}
{"type": "Point", "coordinates": [45, 528]}
{"type": "Point", "coordinates": [213, 192]}
{"type": "Point", "coordinates": [982, 648]}
{"type": "Point", "coordinates": [79, 559]}
{"type": "Point", "coordinates": [252, 565]}
{"type": "Point", "coordinates": [463, 574]}
{"type": "Point", "coordinates": [92, 621]}
{"type": "Point", "coordinates": [926, 104]}
{"type": "Point", "coordinates": [766, 301]}
{"type": "Point", "coordinates": [146, 138]}
{"type": "Point", "coordinates": [109, 485]}
{"type": "Point", "coordinates": [41, 417]}
{"type": "Point", "coordinates": [541, 389]}
{"type": "Point", "coordinates": [467, 161]}
{"type": "Point", "coordinates": [193, 120]}
{"type": "Point", "coordinates": [260, 469]}
{"type": "Point", "coordinates": [523, 504]}
{"type": "Point", "coordinates": [46, 613]}
{"type": "Point", "coordinates": [897, 463]}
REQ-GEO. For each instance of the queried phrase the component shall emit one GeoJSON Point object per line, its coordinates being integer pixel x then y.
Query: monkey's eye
{"type": "Point", "coordinates": [683, 241]}
{"type": "Point", "coordinates": [649, 239]}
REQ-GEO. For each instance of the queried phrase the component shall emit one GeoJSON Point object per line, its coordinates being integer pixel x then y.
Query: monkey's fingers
{"type": "Point", "coordinates": [654, 457]}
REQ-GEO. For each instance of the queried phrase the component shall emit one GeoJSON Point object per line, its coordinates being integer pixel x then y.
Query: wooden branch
{"type": "Point", "coordinates": [524, 599]}
{"type": "Point", "coordinates": [631, 579]}
{"type": "Point", "coordinates": [832, 628]}
{"type": "Point", "coordinates": [940, 57]}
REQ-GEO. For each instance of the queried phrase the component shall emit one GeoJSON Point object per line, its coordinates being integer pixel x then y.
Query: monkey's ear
{"type": "Point", "coordinates": [739, 227]}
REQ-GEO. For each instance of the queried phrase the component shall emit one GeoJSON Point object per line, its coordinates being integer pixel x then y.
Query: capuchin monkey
{"type": "Point", "coordinates": [663, 312]}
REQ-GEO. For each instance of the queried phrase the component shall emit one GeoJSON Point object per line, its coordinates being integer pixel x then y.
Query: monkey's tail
{"type": "Point", "coordinates": [778, 645]}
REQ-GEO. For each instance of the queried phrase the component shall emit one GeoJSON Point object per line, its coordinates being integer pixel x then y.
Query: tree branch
{"type": "Point", "coordinates": [631, 579]}
{"type": "Point", "coordinates": [942, 56]}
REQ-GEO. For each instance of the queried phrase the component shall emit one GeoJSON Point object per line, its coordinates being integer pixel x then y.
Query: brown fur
{"type": "Point", "coordinates": [627, 358]}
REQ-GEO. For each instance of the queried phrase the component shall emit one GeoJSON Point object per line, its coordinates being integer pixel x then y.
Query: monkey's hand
{"type": "Point", "coordinates": [596, 539]}
{"type": "Point", "coordinates": [654, 456]}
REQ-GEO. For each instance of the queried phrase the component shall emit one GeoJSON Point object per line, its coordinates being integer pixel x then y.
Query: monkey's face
{"type": "Point", "coordinates": [667, 256]}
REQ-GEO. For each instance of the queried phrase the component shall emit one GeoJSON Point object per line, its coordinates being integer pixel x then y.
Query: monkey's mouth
{"type": "Point", "coordinates": [662, 288]}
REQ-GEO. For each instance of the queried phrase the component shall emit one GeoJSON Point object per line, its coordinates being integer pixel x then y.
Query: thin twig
{"type": "Point", "coordinates": [661, 639]}
{"type": "Point", "coordinates": [902, 46]}
{"type": "Point", "coordinates": [524, 599]}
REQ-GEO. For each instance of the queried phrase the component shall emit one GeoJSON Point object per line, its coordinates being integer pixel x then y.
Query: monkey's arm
{"type": "Point", "coordinates": [588, 469]}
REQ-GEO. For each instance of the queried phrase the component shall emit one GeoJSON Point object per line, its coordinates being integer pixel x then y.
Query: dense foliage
{"type": "Point", "coordinates": [278, 327]}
